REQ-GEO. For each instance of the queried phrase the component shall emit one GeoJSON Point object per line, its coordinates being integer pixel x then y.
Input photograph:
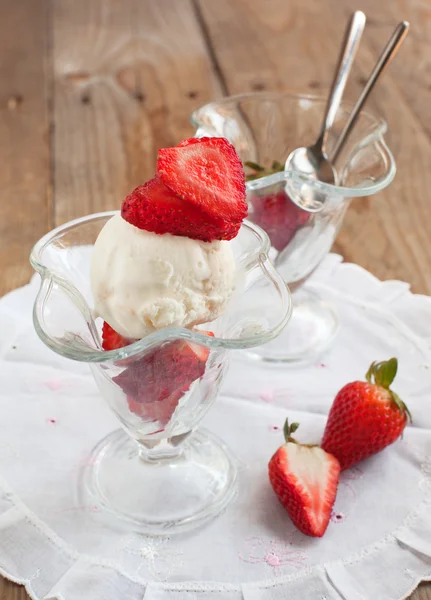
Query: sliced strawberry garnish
{"type": "Point", "coordinates": [208, 173]}
{"type": "Point", "coordinates": [155, 383]}
{"type": "Point", "coordinates": [154, 207]}
{"type": "Point", "coordinates": [156, 412]}
{"type": "Point", "coordinates": [111, 340]}
{"type": "Point", "coordinates": [305, 479]}
{"type": "Point", "coordinates": [278, 216]}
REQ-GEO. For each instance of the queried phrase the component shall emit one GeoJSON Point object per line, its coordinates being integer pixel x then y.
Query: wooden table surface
{"type": "Point", "coordinates": [89, 89]}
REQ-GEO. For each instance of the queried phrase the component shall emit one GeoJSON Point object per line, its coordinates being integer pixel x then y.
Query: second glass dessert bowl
{"type": "Point", "coordinates": [265, 128]}
{"type": "Point", "coordinates": [159, 472]}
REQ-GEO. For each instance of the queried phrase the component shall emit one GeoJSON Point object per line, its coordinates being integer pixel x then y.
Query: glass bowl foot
{"type": "Point", "coordinates": [159, 496]}
{"type": "Point", "coordinates": [312, 328]}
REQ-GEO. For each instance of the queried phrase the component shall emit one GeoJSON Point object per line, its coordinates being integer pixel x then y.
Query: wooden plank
{"type": "Point", "coordinates": [422, 593]}
{"type": "Point", "coordinates": [295, 45]}
{"type": "Point", "coordinates": [11, 591]}
{"type": "Point", "coordinates": [399, 224]}
{"type": "Point", "coordinates": [127, 76]}
{"type": "Point", "coordinates": [24, 133]}
{"type": "Point", "coordinates": [413, 72]}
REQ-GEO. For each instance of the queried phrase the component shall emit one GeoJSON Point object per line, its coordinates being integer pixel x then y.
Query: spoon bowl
{"type": "Point", "coordinates": [310, 162]}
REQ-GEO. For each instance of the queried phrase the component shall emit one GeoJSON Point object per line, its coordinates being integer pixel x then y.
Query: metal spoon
{"type": "Point", "coordinates": [313, 161]}
{"type": "Point", "coordinates": [385, 58]}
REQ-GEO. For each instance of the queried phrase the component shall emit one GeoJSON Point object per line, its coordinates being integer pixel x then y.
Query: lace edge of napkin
{"type": "Point", "coordinates": [393, 298]}
{"type": "Point", "coordinates": [406, 553]}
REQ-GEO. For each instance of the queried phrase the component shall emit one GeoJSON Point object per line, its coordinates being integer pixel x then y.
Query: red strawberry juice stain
{"type": "Point", "coordinates": [274, 428]}
{"type": "Point", "coordinates": [51, 420]}
{"type": "Point", "coordinates": [54, 384]}
{"type": "Point", "coordinates": [267, 396]}
{"type": "Point", "coordinates": [337, 517]}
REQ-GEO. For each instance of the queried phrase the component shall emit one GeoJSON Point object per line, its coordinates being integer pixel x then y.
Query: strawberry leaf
{"type": "Point", "coordinates": [259, 171]}
{"type": "Point", "coordinates": [294, 427]}
{"type": "Point", "coordinates": [385, 371]}
{"type": "Point", "coordinates": [288, 430]}
{"type": "Point", "coordinates": [370, 372]}
{"type": "Point", "coordinates": [253, 165]}
{"type": "Point", "coordinates": [401, 405]}
{"type": "Point", "coordinates": [383, 374]}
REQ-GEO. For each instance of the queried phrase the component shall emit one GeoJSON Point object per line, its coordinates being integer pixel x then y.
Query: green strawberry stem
{"type": "Point", "coordinates": [383, 374]}
{"type": "Point", "coordinates": [259, 171]}
{"type": "Point", "coordinates": [288, 430]}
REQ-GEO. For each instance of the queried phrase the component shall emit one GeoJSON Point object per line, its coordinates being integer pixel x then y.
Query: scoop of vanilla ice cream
{"type": "Point", "coordinates": [142, 281]}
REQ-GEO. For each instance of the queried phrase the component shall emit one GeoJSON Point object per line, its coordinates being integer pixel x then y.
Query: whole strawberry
{"type": "Point", "coordinates": [366, 416]}
{"type": "Point", "coordinates": [305, 479]}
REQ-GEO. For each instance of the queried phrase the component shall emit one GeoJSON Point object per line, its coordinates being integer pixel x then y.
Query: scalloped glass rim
{"type": "Point", "coordinates": [351, 192]}
{"type": "Point", "coordinates": [167, 334]}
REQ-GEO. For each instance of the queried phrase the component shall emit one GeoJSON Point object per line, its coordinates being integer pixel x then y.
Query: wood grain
{"type": "Point", "coordinates": [407, 222]}
{"type": "Point", "coordinates": [127, 76]}
{"type": "Point", "coordinates": [11, 591]}
{"type": "Point", "coordinates": [25, 205]}
{"type": "Point", "coordinates": [413, 72]}
{"type": "Point", "coordinates": [295, 45]}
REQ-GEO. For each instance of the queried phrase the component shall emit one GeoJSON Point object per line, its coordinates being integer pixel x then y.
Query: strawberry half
{"type": "Point", "coordinates": [305, 479]}
{"type": "Point", "coordinates": [154, 207]}
{"type": "Point", "coordinates": [366, 416]}
{"type": "Point", "coordinates": [111, 340]}
{"type": "Point", "coordinates": [155, 383]}
{"type": "Point", "coordinates": [278, 216]}
{"type": "Point", "coordinates": [207, 173]}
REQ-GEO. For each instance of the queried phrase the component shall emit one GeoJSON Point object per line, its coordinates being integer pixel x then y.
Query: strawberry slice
{"type": "Point", "coordinates": [278, 216]}
{"type": "Point", "coordinates": [155, 384]}
{"type": "Point", "coordinates": [154, 207]}
{"type": "Point", "coordinates": [208, 173]}
{"type": "Point", "coordinates": [111, 340]}
{"type": "Point", "coordinates": [156, 412]}
{"type": "Point", "coordinates": [305, 479]}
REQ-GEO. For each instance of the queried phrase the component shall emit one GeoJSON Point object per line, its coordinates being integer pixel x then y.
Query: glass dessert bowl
{"type": "Point", "coordinates": [265, 128]}
{"type": "Point", "coordinates": [159, 472]}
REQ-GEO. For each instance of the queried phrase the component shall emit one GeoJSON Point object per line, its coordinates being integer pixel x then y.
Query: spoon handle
{"type": "Point", "coordinates": [385, 58]}
{"type": "Point", "coordinates": [349, 47]}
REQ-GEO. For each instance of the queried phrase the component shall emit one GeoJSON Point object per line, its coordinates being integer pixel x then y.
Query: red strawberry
{"type": "Point", "coordinates": [155, 383]}
{"type": "Point", "coordinates": [154, 207]}
{"type": "Point", "coordinates": [365, 416]}
{"type": "Point", "coordinates": [278, 216]}
{"type": "Point", "coordinates": [305, 479]}
{"type": "Point", "coordinates": [111, 340]}
{"type": "Point", "coordinates": [207, 173]}
{"type": "Point", "coordinates": [156, 412]}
